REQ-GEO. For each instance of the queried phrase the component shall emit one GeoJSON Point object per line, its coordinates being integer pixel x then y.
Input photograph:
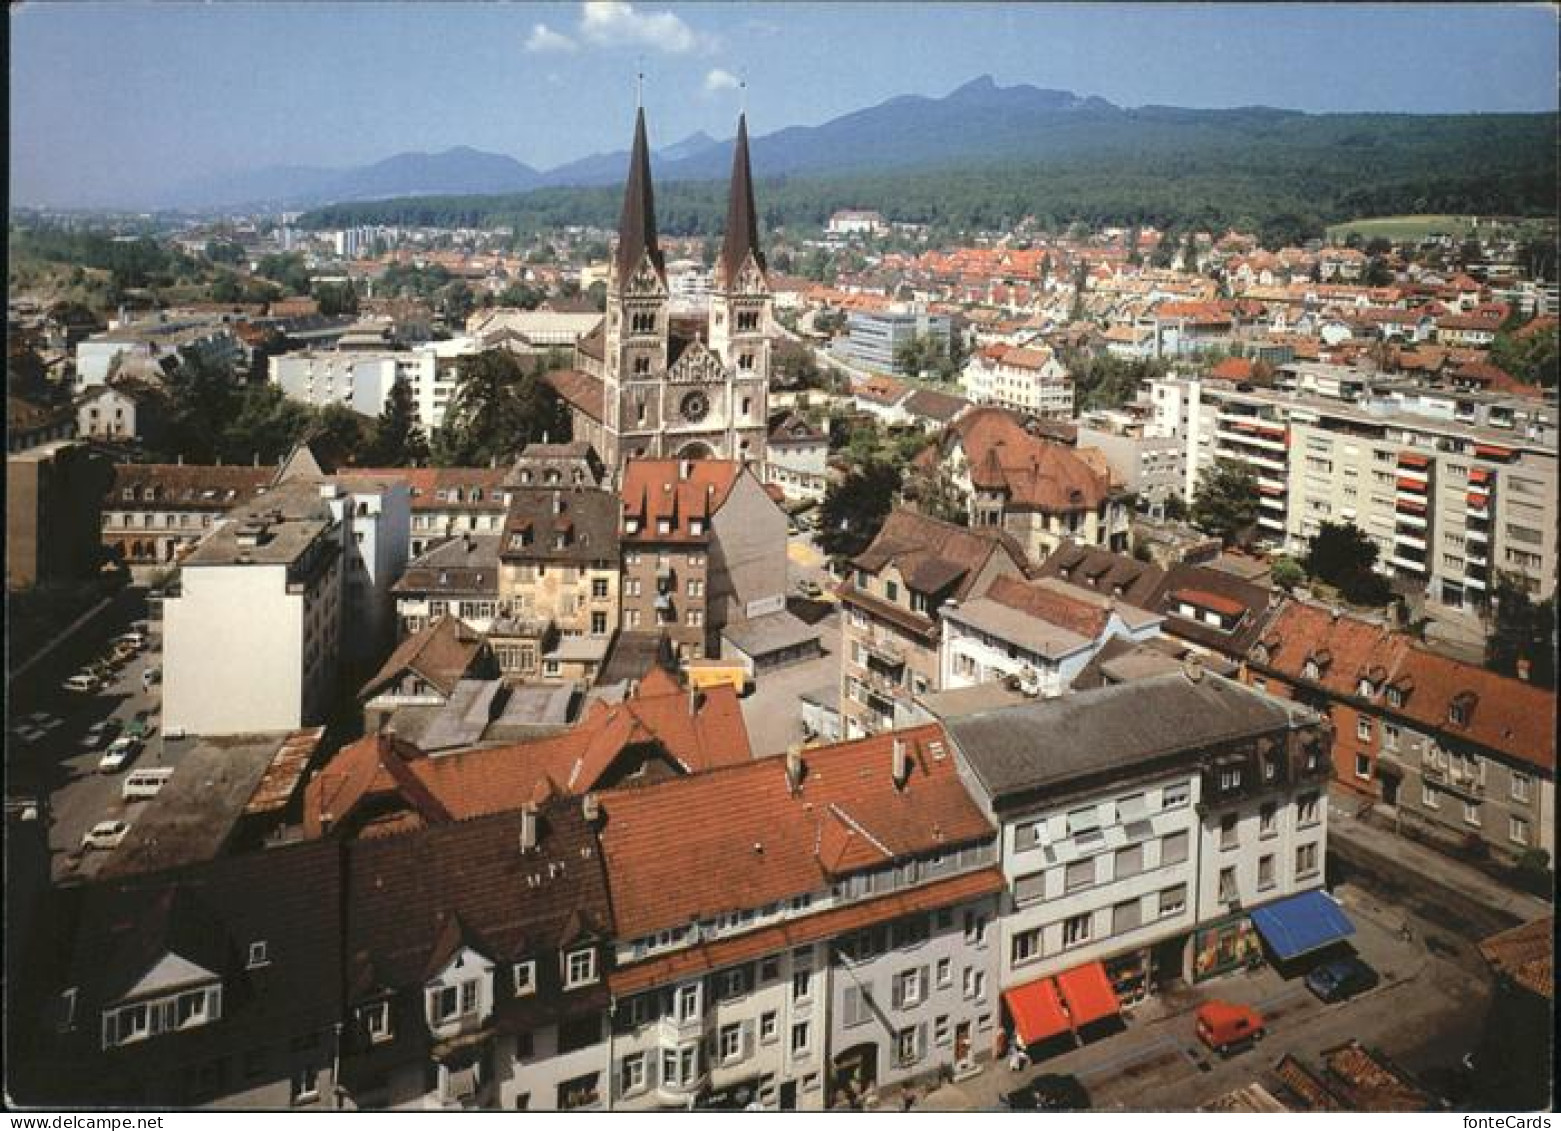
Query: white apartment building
{"type": "Point", "coordinates": [280, 603]}
{"type": "Point", "coordinates": [362, 379]}
{"type": "Point", "coordinates": [154, 342]}
{"type": "Point", "coordinates": [1148, 465]}
{"type": "Point", "coordinates": [1031, 380]}
{"type": "Point", "coordinates": [1140, 822]}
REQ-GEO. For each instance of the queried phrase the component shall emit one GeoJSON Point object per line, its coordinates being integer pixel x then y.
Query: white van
{"type": "Point", "coordinates": [145, 783]}
{"type": "Point", "coordinates": [82, 684]}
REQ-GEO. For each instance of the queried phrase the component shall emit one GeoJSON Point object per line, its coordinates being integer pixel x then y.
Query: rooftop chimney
{"type": "Point", "coordinates": [558, 502]}
{"type": "Point", "coordinates": [902, 764]}
{"type": "Point", "coordinates": [794, 768]}
{"type": "Point", "coordinates": [683, 468]}
{"type": "Point", "coordinates": [528, 827]}
{"type": "Point", "coordinates": [590, 808]}
{"type": "Point", "coordinates": [1524, 667]}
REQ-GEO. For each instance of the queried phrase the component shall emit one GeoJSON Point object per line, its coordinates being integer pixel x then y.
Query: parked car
{"type": "Point", "coordinates": [133, 640]}
{"type": "Point", "coordinates": [151, 676]}
{"type": "Point", "coordinates": [105, 834]}
{"type": "Point", "coordinates": [145, 783]}
{"type": "Point", "coordinates": [1050, 1092]}
{"type": "Point", "coordinates": [100, 732]}
{"type": "Point", "coordinates": [810, 589]}
{"type": "Point", "coordinates": [1228, 1028]}
{"type": "Point", "coordinates": [1341, 979]}
{"type": "Point", "coordinates": [119, 754]}
{"type": "Point", "coordinates": [81, 683]}
{"type": "Point", "coordinates": [138, 728]}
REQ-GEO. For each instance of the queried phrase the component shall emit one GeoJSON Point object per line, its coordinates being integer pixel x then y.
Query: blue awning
{"type": "Point", "coordinates": [1301, 924]}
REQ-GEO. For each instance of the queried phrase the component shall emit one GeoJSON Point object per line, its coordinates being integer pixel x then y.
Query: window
{"type": "Point", "coordinates": [1173, 848]}
{"type": "Point", "coordinates": [1230, 778]}
{"type": "Point", "coordinates": [1175, 796]}
{"type": "Point", "coordinates": [767, 1026]}
{"type": "Point", "coordinates": [907, 1045]}
{"type": "Point", "coordinates": [525, 975]}
{"type": "Point", "coordinates": [631, 1073]}
{"type": "Point", "coordinates": [730, 1045]}
{"type": "Point", "coordinates": [1076, 931]}
{"type": "Point", "coordinates": [306, 1084]}
{"type": "Point", "coordinates": [799, 1038]}
{"type": "Point", "coordinates": [975, 929]}
{"type": "Point", "coordinates": [1306, 860]}
{"type": "Point", "coordinates": [581, 969]}
{"type": "Point", "coordinates": [1080, 874]}
{"type": "Point", "coordinates": [376, 1021]}
{"type": "Point", "coordinates": [1517, 830]}
{"type": "Point", "coordinates": [1029, 834]}
{"type": "Point", "coordinates": [1228, 835]}
{"type": "Point", "coordinates": [909, 989]}
{"type": "Point", "coordinates": [443, 1004]}
{"type": "Point", "coordinates": [1471, 813]}
{"type": "Point", "coordinates": [1227, 885]}
{"type": "Point", "coordinates": [941, 1031]}
{"type": "Point", "coordinates": [1083, 820]}
{"type": "Point", "coordinates": [891, 590]}
{"type": "Point", "coordinates": [801, 985]}
{"type": "Point", "coordinates": [1173, 901]}
{"type": "Point", "coordinates": [734, 983]}
{"type": "Point", "coordinates": [974, 983]}
{"type": "Point", "coordinates": [1126, 916]}
{"type": "Point", "coordinates": [1129, 861]}
{"type": "Point", "coordinates": [1521, 784]}
{"type": "Point", "coordinates": [945, 973]}
{"type": "Point", "coordinates": [1306, 811]}
{"type": "Point", "coordinates": [685, 1002]}
{"type": "Point", "coordinates": [1429, 797]}
{"type": "Point", "coordinates": [1363, 766]}
{"type": "Point", "coordinates": [257, 954]}
{"type": "Point", "coordinates": [1265, 872]}
{"type": "Point", "coordinates": [1026, 946]}
{"type": "Point", "coordinates": [1363, 729]}
{"type": "Point", "coordinates": [577, 1093]}
{"type": "Point", "coordinates": [468, 997]}
{"type": "Point", "coordinates": [769, 969]}
{"type": "Point", "coordinates": [1390, 735]}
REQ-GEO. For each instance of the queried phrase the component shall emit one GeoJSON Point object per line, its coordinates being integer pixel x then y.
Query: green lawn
{"type": "Point", "coordinates": [1398, 228]}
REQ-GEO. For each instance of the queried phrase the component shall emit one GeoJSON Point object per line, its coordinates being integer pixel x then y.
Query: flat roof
{"type": "Point", "coordinates": [772, 632]}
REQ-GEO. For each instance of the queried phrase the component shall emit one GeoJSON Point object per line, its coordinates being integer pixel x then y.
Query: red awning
{"type": "Point", "coordinates": [1491, 451]}
{"type": "Point", "coordinates": [1411, 459]}
{"type": "Point", "coordinates": [1088, 993]}
{"type": "Point", "coordinates": [1476, 499]}
{"type": "Point", "coordinates": [1037, 1011]}
{"type": "Point", "coordinates": [1411, 505]}
{"type": "Point", "coordinates": [1479, 475]}
{"type": "Point", "coordinates": [1411, 485]}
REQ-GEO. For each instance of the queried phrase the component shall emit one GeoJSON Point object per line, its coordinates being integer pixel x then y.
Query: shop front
{"type": "Point", "coordinates": [1230, 944]}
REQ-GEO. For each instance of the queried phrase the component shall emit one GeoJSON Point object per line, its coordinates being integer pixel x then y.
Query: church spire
{"type": "Point", "coordinates": [742, 218]}
{"type": "Point", "coordinates": [637, 225]}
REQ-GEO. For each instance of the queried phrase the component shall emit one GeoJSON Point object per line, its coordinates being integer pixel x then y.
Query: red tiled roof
{"type": "Point", "coordinates": [1035, 472]}
{"type": "Point", "coordinates": [1225, 606]}
{"type": "Point", "coordinates": [741, 838]}
{"type": "Point", "coordinates": [1233, 369]}
{"type": "Point", "coordinates": [677, 490]}
{"type": "Point", "coordinates": [1526, 955]}
{"type": "Point", "coordinates": [581, 390]}
{"type": "Point", "coordinates": [701, 959]}
{"type": "Point", "coordinates": [1050, 606]}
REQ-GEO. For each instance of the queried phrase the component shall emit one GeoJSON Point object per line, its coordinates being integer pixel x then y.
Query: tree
{"type": "Point", "coordinates": [337, 298]}
{"type": "Point", "coordinates": [288, 269]}
{"type": "Point", "coordinates": [1522, 629]}
{"type": "Point", "coordinates": [1377, 273]}
{"type": "Point", "coordinates": [1225, 502]}
{"type": "Point", "coordinates": [397, 438]}
{"type": "Point", "coordinates": [1342, 555]}
{"type": "Point", "coordinates": [1287, 573]}
{"type": "Point", "coordinates": [264, 425]}
{"type": "Point", "coordinates": [854, 509]}
{"type": "Point", "coordinates": [935, 493]}
{"type": "Point", "coordinates": [498, 407]}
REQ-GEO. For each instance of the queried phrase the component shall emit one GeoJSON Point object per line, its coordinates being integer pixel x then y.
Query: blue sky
{"type": "Point", "coordinates": [118, 100]}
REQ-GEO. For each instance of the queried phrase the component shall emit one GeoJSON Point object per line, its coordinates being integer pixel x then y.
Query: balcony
{"type": "Point", "coordinates": [1409, 538]}
{"type": "Point", "coordinates": [1271, 503]}
{"type": "Point", "coordinates": [1454, 779]}
{"type": "Point", "coordinates": [1408, 563]}
{"type": "Point", "coordinates": [1251, 458]}
{"type": "Point", "coordinates": [886, 652]}
{"type": "Point", "coordinates": [1409, 518]}
{"type": "Point", "coordinates": [1271, 522]}
{"type": "Point", "coordinates": [1476, 534]}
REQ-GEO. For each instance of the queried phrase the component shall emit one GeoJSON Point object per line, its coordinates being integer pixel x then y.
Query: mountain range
{"type": "Point", "coordinates": [980, 124]}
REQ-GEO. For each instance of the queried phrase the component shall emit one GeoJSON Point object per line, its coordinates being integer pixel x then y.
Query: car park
{"type": "Point", "coordinates": [1228, 1028]}
{"type": "Point", "coordinates": [105, 834]}
{"type": "Point", "coordinates": [1341, 979]}
{"type": "Point", "coordinates": [1049, 1092]}
{"type": "Point", "coordinates": [119, 754]}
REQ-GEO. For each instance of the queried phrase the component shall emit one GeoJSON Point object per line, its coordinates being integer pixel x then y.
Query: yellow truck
{"type": "Point", "coordinates": [703, 674]}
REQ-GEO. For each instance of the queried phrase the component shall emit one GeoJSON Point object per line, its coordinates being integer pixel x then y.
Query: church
{"type": "Point", "coordinates": [648, 385]}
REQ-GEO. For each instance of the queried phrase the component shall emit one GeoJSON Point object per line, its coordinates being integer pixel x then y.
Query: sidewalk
{"type": "Point", "coordinates": [1431, 866]}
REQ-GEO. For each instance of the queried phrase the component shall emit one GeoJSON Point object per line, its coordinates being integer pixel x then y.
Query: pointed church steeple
{"type": "Point", "coordinates": [637, 225]}
{"type": "Point", "coordinates": [742, 218]}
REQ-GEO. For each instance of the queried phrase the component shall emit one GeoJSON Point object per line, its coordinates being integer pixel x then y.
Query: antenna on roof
{"type": "Point", "coordinates": [639, 85]}
{"type": "Point", "coordinates": [742, 92]}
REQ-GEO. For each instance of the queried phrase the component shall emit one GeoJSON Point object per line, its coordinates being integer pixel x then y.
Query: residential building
{"type": "Point", "coordinates": [125, 411]}
{"type": "Point", "coordinates": [54, 514]}
{"type": "Point", "coordinates": [158, 342]}
{"type": "Point", "coordinates": [362, 379]}
{"type": "Point", "coordinates": [1039, 634]}
{"type": "Point", "coordinates": [29, 424]}
{"type": "Point", "coordinates": [797, 457]}
{"type": "Point", "coordinates": [1148, 466]}
{"type": "Point", "coordinates": [154, 513]}
{"type": "Point", "coordinates": [1140, 826]}
{"type": "Point", "coordinates": [890, 626]}
{"type": "Point", "coordinates": [856, 222]}
{"type": "Point", "coordinates": [1454, 751]}
{"type": "Point", "coordinates": [425, 670]}
{"type": "Point", "coordinates": [703, 548]}
{"type": "Point", "coordinates": [458, 577]}
{"type": "Point", "coordinates": [1030, 380]}
{"type": "Point", "coordinates": [654, 387]}
{"type": "Point", "coordinates": [874, 338]}
{"type": "Point", "coordinates": [845, 944]}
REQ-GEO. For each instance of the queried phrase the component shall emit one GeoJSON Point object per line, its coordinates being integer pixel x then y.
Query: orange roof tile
{"type": "Point", "coordinates": [676, 490]}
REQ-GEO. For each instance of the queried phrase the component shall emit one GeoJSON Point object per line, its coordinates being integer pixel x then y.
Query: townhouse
{"type": "Point", "coordinates": [1030, 380]}
{"type": "Point", "coordinates": [154, 513]}
{"type": "Point", "coordinates": [826, 929]}
{"type": "Point", "coordinates": [1451, 750]}
{"type": "Point", "coordinates": [797, 459]}
{"type": "Point", "coordinates": [890, 624]}
{"type": "Point", "coordinates": [458, 577]}
{"type": "Point", "coordinates": [1141, 824]}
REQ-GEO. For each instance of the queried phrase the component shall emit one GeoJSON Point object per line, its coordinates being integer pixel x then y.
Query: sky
{"type": "Point", "coordinates": [113, 102]}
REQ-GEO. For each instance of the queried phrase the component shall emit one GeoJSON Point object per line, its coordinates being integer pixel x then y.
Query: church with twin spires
{"type": "Point", "coordinates": [648, 385]}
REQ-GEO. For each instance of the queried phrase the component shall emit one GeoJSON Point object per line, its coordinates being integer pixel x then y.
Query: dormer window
{"type": "Point", "coordinates": [580, 968]}
{"type": "Point", "coordinates": [376, 1021]}
{"type": "Point", "coordinates": [257, 954]}
{"type": "Point", "coordinates": [1395, 697]}
{"type": "Point", "coordinates": [1461, 709]}
{"type": "Point", "coordinates": [663, 526]}
{"type": "Point", "coordinates": [1365, 689]}
{"type": "Point", "coordinates": [1230, 778]}
{"type": "Point", "coordinates": [525, 975]}
{"type": "Point", "coordinates": [631, 525]}
{"type": "Point", "coordinates": [1259, 654]}
{"type": "Point", "coordinates": [696, 526]}
{"type": "Point", "coordinates": [1310, 670]}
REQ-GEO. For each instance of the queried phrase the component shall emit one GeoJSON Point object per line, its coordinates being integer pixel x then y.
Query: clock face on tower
{"type": "Point", "coordinates": [694, 407]}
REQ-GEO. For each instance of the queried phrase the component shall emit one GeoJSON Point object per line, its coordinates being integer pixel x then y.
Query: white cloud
{"type": "Point", "coordinates": [544, 39]}
{"type": "Point", "coordinates": [615, 23]}
{"type": "Point", "coordinates": [720, 80]}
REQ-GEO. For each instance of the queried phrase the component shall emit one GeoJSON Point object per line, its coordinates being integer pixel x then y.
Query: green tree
{"type": "Point", "coordinates": [344, 435]}
{"type": "Point", "coordinates": [264, 425]}
{"type": "Point", "coordinates": [935, 493]}
{"type": "Point", "coordinates": [1522, 629]}
{"type": "Point", "coordinates": [1287, 573]}
{"type": "Point", "coordinates": [288, 269]}
{"type": "Point", "coordinates": [854, 509]}
{"type": "Point", "coordinates": [1342, 555]}
{"type": "Point", "coordinates": [202, 395]}
{"type": "Point", "coordinates": [398, 439]}
{"type": "Point", "coordinates": [520, 295]}
{"type": "Point", "coordinates": [1225, 501]}
{"type": "Point", "coordinates": [498, 407]}
{"type": "Point", "coordinates": [337, 298]}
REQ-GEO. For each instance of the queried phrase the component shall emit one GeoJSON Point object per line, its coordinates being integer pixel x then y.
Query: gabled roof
{"type": "Point", "coordinates": [1117, 575]}
{"type": "Point", "coordinates": [585, 518]}
{"type": "Point", "coordinates": [443, 654]}
{"type": "Point", "coordinates": [930, 404]}
{"type": "Point", "coordinates": [1526, 955]}
{"type": "Point", "coordinates": [467, 563]}
{"type": "Point", "coordinates": [933, 555]}
{"type": "Point", "coordinates": [741, 838]}
{"type": "Point", "coordinates": [1034, 473]}
{"type": "Point", "coordinates": [675, 490]}
{"type": "Point", "coordinates": [581, 390]}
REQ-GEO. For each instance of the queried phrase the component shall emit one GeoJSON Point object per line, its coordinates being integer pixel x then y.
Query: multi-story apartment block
{"type": "Point", "coordinates": [797, 459]}
{"type": "Point", "coordinates": [1148, 466]}
{"type": "Point", "coordinates": [845, 944]}
{"type": "Point", "coordinates": [1038, 490]}
{"type": "Point", "coordinates": [154, 513]}
{"type": "Point", "coordinates": [1141, 823]}
{"type": "Point", "coordinates": [1452, 486]}
{"type": "Point", "coordinates": [690, 388]}
{"type": "Point", "coordinates": [703, 548]}
{"type": "Point", "coordinates": [362, 379]}
{"type": "Point", "coordinates": [1040, 634]}
{"type": "Point", "coordinates": [1030, 380]}
{"type": "Point", "coordinates": [1452, 749]}
{"type": "Point", "coordinates": [302, 575]}
{"type": "Point", "coordinates": [890, 626]}
{"type": "Point", "coordinates": [874, 338]}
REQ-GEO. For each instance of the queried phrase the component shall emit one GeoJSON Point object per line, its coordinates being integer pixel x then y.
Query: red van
{"type": "Point", "coordinates": [1228, 1028]}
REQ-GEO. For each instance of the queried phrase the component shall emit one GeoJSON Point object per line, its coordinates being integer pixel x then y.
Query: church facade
{"type": "Point", "coordinates": [648, 385]}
